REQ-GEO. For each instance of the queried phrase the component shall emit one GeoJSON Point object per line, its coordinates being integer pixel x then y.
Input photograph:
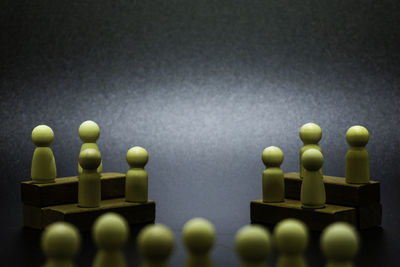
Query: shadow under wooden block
{"type": "Point", "coordinates": [83, 218]}
{"type": "Point", "coordinates": [337, 190]}
{"type": "Point", "coordinates": [65, 190]}
{"type": "Point", "coordinates": [318, 219]}
{"type": "Point", "coordinates": [369, 215]}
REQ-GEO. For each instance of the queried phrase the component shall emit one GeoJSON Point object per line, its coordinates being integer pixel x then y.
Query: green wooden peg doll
{"type": "Point", "coordinates": [339, 243]}
{"type": "Point", "coordinates": [273, 184]}
{"type": "Point", "coordinates": [253, 245]}
{"type": "Point", "coordinates": [155, 244]}
{"type": "Point", "coordinates": [136, 184]}
{"type": "Point", "coordinates": [357, 158]}
{"type": "Point", "coordinates": [310, 133]}
{"type": "Point", "coordinates": [43, 169]}
{"type": "Point", "coordinates": [89, 183]}
{"type": "Point", "coordinates": [60, 243]}
{"type": "Point", "coordinates": [198, 236]}
{"type": "Point", "coordinates": [291, 239]}
{"type": "Point", "coordinates": [110, 233]}
{"type": "Point", "coordinates": [89, 132]}
{"type": "Point", "coordinates": [312, 193]}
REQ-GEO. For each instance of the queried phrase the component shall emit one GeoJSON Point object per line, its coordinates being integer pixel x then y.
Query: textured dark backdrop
{"type": "Point", "coordinates": [204, 86]}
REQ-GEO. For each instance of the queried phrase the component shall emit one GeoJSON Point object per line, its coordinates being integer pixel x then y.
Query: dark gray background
{"type": "Point", "coordinates": [204, 86]}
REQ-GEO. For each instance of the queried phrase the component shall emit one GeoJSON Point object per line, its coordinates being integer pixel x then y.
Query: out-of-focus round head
{"type": "Point", "coordinates": [156, 242]}
{"type": "Point", "coordinates": [310, 133]}
{"type": "Point", "coordinates": [60, 240]}
{"type": "Point", "coordinates": [339, 241]}
{"type": "Point", "coordinates": [42, 135]}
{"type": "Point", "coordinates": [272, 156]}
{"type": "Point", "coordinates": [357, 136]}
{"type": "Point", "coordinates": [312, 159]}
{"type": "Point", "coordinates": [89, 132]}
{"type": "Point", "coordinates": [291, 236]}
{"type": "Point", "coordinates": [110, 231]}
{"type": "Point", "coordinates": [90, 159]}
{"type": "Point", "coordinates": [198, 235]}
{"type": "Point", "coordinates": [253, 243]}
{"type": "Point", "coordinates": [137, 157]}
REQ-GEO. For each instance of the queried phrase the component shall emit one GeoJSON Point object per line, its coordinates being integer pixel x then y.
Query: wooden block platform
{"type": "Point", "coordinates": [365, 198]}
{"type": "Point", "coordinates": [318, 219]}
{"type": "Point", "coordinates": [65, 190]}
{"type": "Point", "coordinates": [337, 190]}
{"type": "Point", "coordinates": [83, 218]}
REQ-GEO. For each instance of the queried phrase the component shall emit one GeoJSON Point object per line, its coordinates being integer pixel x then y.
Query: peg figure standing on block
{"type": "Point", "coordinates": [89, 132]}
{"type": "Point", "coordinates": [312, 194]}
{"type": "Point", "coordinates": [310, 134]}
{"type": "Point", "coordinates": [43, 169]}
{"type": "Point", "coordinates": [136, 184]}
{"type": "Point", "coordinates": [89, 183]}
{"type": "Point", "coordinates": [357, 158]}
{"type": "Point", "coordinates": [273, 184]}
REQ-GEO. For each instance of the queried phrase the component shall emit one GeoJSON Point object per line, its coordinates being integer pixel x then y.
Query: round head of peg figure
{"type": "Point", "coordinates": [42, 136]}
{"type": "Point", "coordinates": [339, 241]}
{"type": "Point", "coordinates": [90, 159]}
{"type": "Point", "coordinates": [310, 133]}
{"type": "Point", "coordinates": [198, 235]}
{"type": "Point", "coordinates": [357, 136]}
{"type": "Point", "coordinates": [156, 242]}
{"type": "Point", "coordinates": [312, 159]}
{"type": "Point", "coordinates": [110, 231]}
{"type": "Point", "coordinates": [253, 243]}
{"type": "Point", "coordinates": [291, 236]}
{"type": "Point", "coordinates": [60, 240]}
{"type": "Point", "coordinates": [89, 132]}
{"type": "Point", "coordinates": [137, 157]}
{"type": "Point", "coordinates": [272, 156]}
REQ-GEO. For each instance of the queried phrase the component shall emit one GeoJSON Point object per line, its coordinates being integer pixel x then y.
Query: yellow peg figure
{"type": "Point", "coordinates": [43, 168]}
{"type": "Point", "coordinates": [310, 134]}
{"type": "Point", "coordinates": [253, 245]}
{"type": "Point", "coordinates": [110, 233]}
{"type": "Point", "coordinates": [312, 193]}
{"type": "Point", "coordinates": [273, 184]}
{"type": "Point", "coordinates": [357, 158]}
{"type": "Point", "coordinates": [291, 239]}
{"type": "Point", "coordinates": [89, 132]}
{"type": "Point", "coordinates": [89, 183]}
{"type": "Point", "coordinates": [198, 236]}
{"type": "Point", "coordinates": [136, 184]}
{"type": "Point", "coordinates": [60, 243]}
{"type": "Point", "coordinates": [155, 244]}
{"type": "Point", "coordinates": [339, 243]}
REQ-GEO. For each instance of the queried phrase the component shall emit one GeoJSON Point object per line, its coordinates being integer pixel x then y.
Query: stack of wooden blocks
{"type": "Point", "coordinates": [357, 204]}
{"type": "Point", "coordinates": [46, 203]}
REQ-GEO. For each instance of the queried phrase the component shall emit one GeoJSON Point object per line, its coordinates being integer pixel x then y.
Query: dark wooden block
{"type": "Point", "coordinates": [32, 216]}
{"type": "Point", "coordinates": [338, 192]}
{"type": "Point", "coordinates": [65, 190]}
{"type": "Point", "coordinates": [272, 213]}
{"type": "Point", "coordinates": [83, 218]}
